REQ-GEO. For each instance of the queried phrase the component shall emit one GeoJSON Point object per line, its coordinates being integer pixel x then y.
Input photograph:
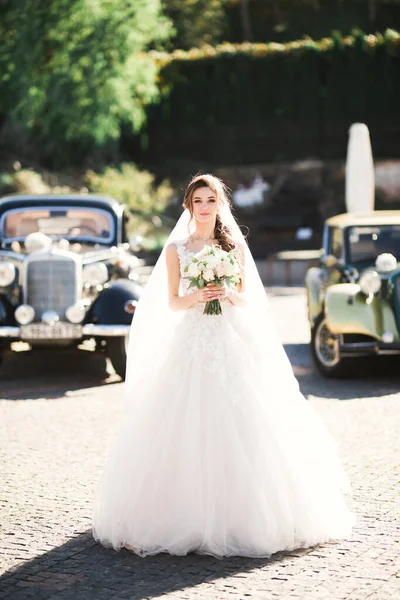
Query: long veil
{"type": "Point", "coordinates": [154, 321]}
{"type": "Point", "coordinates": [218, 451]}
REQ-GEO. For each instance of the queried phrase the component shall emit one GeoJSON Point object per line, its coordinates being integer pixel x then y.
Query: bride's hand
{"type": "Point", "coordinates": [203, 295]}
{"type": "Point", "coordinates": [216, 292]}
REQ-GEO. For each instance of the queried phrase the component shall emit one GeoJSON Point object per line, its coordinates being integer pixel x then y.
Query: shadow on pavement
{"type": "Point", "coordinates": [47, 374]}
{"type": "Point", "coordinates": [82, 569]}
{"type": "Point", "coordinates": [369, 377]}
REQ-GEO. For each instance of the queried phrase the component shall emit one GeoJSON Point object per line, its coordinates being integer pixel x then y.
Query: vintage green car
{"type": "Point", "coordinates": [354, 295]}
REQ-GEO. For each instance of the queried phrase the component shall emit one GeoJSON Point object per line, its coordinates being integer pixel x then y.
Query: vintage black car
{"type": "Point", "coordinates": [67, 274]}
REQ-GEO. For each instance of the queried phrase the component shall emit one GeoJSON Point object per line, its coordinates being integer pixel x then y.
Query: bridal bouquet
{"type": "Point", "coordinates": [212, 264]}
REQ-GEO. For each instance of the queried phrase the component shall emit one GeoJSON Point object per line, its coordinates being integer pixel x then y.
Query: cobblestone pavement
{"type": "Point", "coordinates": [57, 419]}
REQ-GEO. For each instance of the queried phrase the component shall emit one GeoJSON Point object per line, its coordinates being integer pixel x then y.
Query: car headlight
{"type": "Point", "coordinates": [24, 314]}
{"type": "Point", "coordinates": [95, 274]}
{"type": "Point", "coordinates": [386, 262]}
{"type": "Point", "coordinates": [7, 273]}
{"type": "Point", "coordinates": [75, 313]}
{"type": "Point", "coordinates": [370, 282]}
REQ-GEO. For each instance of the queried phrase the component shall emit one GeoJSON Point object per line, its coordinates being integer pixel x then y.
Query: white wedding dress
{"type": "Point", "coordinates": [220, 454]}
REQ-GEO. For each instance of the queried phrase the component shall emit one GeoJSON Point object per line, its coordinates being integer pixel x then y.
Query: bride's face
{"type": "Point", "coordinates": [204, 205]}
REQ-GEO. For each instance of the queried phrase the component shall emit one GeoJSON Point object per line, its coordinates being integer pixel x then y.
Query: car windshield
{"type": "Point", "coordinates": [365, 243]}
{"type": "Point", "coordinates": [70, 223]}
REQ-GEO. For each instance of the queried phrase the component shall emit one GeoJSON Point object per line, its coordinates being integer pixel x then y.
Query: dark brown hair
{"type": "Point", "coordinates": [221, 232]}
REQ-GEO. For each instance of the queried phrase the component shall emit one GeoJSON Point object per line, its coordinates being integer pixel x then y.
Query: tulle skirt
{"type": "Point", "coordinates": [219, 452]}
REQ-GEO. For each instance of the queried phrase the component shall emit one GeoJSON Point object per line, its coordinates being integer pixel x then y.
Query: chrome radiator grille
{"type": "Point", "coordinates": [51, 285]}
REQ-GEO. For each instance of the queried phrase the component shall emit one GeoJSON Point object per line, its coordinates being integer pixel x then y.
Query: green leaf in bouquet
{"type": "Point", "coordinates": [193, 283]}
{"type": "Point", "coordinates": [201, 283]}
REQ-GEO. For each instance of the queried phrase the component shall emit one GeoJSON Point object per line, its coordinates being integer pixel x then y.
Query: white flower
{"type": "Point", "coordinates": [212, 261]}
{"type": "Point", "coordinates": [208, 275]}
{"type": "Point", "coordinates": [221, 269]}
{"type": "Point", "coordinates": [231, 269]}
{"type": "Point", "coordinates": [193, 270]}
{"type": "Point", "coordinates": [386, 262]}
{"type": "Point", "coordinates": [203, 252]}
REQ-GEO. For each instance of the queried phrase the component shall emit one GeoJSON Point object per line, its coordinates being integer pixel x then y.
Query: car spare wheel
{"type": "Point", "coordinates": [117, 351]}
{"type": "Point", "coordinates": [325, 350]}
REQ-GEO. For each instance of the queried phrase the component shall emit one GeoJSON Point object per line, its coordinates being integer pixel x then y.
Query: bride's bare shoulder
{"type": "Point", "coordinates": [175, 249]}
{"type": "Point", "coordinates": [176, 246]}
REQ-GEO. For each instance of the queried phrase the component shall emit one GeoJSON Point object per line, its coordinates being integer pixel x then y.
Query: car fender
{"type": "Point", "coordinates": [108, 308]}
{"type": "Point", "coordinates": [314, 283]}
{"type": "Point", "coordinates": [348, 310]}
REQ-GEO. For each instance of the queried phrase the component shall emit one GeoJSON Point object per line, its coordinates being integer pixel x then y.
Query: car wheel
{"type": "Point", "coordinates": [117, 351]}
{"type": "Point", "coordinates": [326, 352]}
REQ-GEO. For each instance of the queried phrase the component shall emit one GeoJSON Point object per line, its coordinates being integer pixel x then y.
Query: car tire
{"type": "Point", "coordinates": [325, 351]}
{"type": "Point", "coordinates": [117, 351]}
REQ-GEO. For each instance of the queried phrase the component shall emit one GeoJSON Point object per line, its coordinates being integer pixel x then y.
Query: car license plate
{"type": "Point", "coordinates": [37, 331]}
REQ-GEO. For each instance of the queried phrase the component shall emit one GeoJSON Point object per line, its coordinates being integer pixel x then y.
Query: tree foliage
{"type": "Point", "coordinates": [249, 103]}
{"type": "Point", "coordinates": [200, 22]}
{"type": "Point", "coordinates": [145, 199]}
{"type": "Point", "coordinates": [196, 22]}
{"type": "Point", "coordinates": [74, 70]}
{"type": "Point", "coordinates": [285, 20]}
{"type": "Point", "coordinates": [137, 189]}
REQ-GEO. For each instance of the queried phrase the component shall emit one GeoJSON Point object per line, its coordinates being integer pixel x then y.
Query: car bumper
{"type": "Point", "coordinates": [89, 330]}
{"type": "Point", "coordinates": [372, 348]}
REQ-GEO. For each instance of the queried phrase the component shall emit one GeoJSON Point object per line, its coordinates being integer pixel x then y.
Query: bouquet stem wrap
{"type": "Point", "coordinates": [213, 307]}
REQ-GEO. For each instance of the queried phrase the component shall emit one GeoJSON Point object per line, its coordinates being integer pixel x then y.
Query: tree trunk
{"type": "Point", "coordinates": [277, 12]}
{"type": "Point", "coordinates": [372, 10]}
{"type": "Point", "coordinates": [246, 24]}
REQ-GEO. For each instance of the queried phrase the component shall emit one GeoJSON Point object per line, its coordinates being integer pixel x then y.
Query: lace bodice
{"type": "Point", "coordinates": [185, 257]}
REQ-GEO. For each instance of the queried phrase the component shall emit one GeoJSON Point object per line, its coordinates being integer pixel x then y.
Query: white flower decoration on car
{"type": "Point", "coordinates": [386, 262]}
{"type": "Point", "coordinates": [37, 242]}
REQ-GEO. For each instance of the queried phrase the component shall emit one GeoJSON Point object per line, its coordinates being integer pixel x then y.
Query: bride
{"type": "Point", "coordinates": [219, 452]}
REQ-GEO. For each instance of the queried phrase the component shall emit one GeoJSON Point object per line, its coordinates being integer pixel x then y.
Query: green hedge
{"type": "Point", "coordinates": [260, 102]}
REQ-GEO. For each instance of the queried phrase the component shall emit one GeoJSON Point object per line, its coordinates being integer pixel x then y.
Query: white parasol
{"type": "Point", "coordinates": [360, 179]}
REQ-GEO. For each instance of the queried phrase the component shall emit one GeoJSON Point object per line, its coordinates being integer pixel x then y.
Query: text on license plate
{"type": "Point", "coordinates": [51, 332]}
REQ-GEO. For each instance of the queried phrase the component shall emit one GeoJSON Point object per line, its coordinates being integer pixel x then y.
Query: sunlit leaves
{"type": "Point", "coordinates": [74, 70]}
